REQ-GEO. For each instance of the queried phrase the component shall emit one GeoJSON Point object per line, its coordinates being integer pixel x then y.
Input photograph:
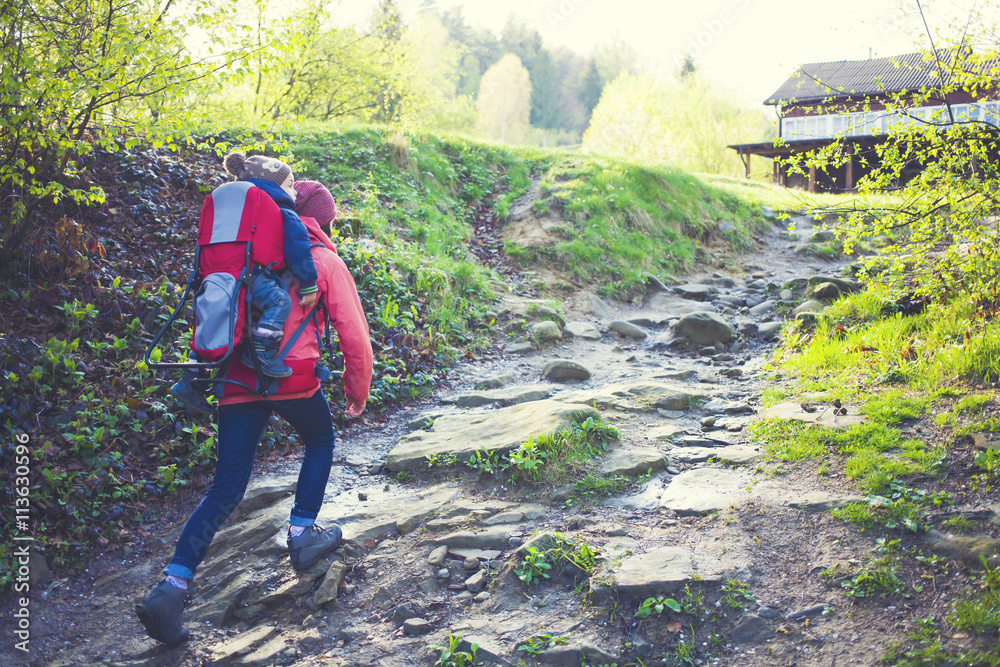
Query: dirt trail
{"type": "Point", "coordinates": [744, 526]}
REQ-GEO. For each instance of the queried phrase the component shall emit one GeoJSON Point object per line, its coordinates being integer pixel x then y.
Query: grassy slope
{"type": "Point", "coordinates": [927, 383]}
{"type": "Point", "coordinates": [109, 446]}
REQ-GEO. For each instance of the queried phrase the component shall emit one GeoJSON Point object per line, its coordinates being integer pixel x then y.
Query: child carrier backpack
{"type": "Point", "coordinates": [240, 227]}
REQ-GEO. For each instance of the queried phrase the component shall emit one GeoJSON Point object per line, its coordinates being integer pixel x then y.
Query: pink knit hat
{"type": "Point", "coordinates": [315, 201]}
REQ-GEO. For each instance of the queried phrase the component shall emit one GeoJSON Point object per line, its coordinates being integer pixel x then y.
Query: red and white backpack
{"type": "Point", "coordinates": [240, 227]}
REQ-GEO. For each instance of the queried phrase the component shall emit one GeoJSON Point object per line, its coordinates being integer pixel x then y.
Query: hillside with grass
{"type": "Point", "coordinates": [421, 228]}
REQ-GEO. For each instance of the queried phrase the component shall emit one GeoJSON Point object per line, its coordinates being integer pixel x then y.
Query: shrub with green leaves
{"type": "Point", "coordinates": [534, 566]}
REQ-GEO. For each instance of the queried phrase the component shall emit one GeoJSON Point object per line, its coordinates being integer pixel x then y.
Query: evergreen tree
{"type": "Point", "coordinates": [590, 91]}
{"type": "Point", "coordinates": [522, 40]}
{"type": "Point", "coordinates": [545, 92]}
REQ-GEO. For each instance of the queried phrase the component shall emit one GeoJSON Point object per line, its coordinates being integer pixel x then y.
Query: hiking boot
{"type": "Point", "coordinates": [267, 355]}
{"type": "Point", "coordinates": [192, 397]}
{"type": "Point", "coordinates": [160, 613]}
{"type": "Point", "coordinates": [312, 545]}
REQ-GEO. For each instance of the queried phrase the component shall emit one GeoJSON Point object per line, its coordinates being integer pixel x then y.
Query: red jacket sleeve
{"type": "Point", "coordinates": [348, 319]}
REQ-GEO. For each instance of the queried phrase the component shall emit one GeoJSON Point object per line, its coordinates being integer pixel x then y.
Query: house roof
{"type": "Point", "coordinates": [816, 81]}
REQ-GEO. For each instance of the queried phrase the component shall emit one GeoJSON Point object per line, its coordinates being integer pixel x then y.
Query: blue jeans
{"type": "Point", "coordinates": [270, 296]}
{"type": "Point", "coordinates": [240, 428]}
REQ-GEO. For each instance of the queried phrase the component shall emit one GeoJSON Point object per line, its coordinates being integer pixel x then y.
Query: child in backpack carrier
{"type": "Point", "coordinates": [267, 293]}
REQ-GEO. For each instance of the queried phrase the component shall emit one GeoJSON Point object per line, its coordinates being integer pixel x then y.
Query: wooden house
{"type": "Point", "coordinates": [847, 99]}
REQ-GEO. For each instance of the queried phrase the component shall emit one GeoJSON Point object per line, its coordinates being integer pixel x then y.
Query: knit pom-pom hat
{"type": "Point", "coordinates": [312, 199]}
{"type": "Point", "coordinates": [258, 166]}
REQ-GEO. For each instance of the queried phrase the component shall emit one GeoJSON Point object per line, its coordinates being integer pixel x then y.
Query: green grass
{"type": "Point", "coordinates": [872, 454]}
{"type": "Point", "coordinates": [861, 344]}
{"type": "Point", "coordinates": [622, 221]}
{"type": "Point", "coordinates": [930, 372]}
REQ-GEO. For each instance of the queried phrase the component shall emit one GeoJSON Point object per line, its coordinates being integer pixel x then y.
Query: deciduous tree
{"type": "Point", "coordinates": [505, 100]}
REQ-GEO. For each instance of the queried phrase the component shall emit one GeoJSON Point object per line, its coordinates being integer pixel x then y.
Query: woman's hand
{"type": "Point", "coordinates": [354, 408]}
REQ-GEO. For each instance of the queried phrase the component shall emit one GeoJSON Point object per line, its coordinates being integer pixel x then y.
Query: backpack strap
{"type": "Point", "coordinates": [287, 347]}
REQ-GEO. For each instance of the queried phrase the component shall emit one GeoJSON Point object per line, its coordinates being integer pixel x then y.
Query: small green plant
{"type": "Point", "coordinates": [879, 580]}
{"type": "Point", "coordinates": [658, 605]}
{"type": "Point", "coordinates": [77, 314]}
{"type": "Point", "coordinates": [538, 644]}
{"type": "Point", "coordinates": [988, 460]}
{"type": "Point", "coordinates": [441, 460]}
{"type": "Point", "coordinates": [534, 567]}
{"type": "Point", "coordinates": [488, 462]}
{"type": "Point", "coordinates": [685, 652]}
{"type": "Point", "coordinates": [737, 594]}
{"type": "Point", "coordinates": [959, 524]}
{"type": "Point", "coordinates": [451, 656]}
{"type": "Point", "coordinates": [404, 476]}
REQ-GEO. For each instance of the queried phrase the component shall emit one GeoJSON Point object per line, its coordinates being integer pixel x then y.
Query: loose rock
{"type": "Point", "coordinates": [416, 626]}
{"type": "Point", "coordinates": [705, 328]}
{"type": "Point", "coordinates": [546, 331]}
{"type": "Point", "coordinates": [627, 329]}
{"type": "Point", "coordinates": [583, 330]}
{"type": "Point", "coordinates": [564, 369]}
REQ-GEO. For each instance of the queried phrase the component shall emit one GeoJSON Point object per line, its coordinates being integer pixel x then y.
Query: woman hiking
{"type": "Point", "coordinates": [242, 418]}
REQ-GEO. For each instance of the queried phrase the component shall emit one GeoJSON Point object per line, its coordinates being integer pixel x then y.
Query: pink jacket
{"type": "Point", "coordinates": [340, 295]}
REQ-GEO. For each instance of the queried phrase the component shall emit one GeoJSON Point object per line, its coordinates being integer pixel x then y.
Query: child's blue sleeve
{"type": "Point", "coordinates": [298, 251]}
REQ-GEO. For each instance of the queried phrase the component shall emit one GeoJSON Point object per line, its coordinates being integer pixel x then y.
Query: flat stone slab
{"type": "Point", "coordinates": [584, 330]}
{"type": "Point", "coordinates": [242, 643]}
{"type": "Point", "coordinates": [517, 515]}
{"type": "Point", "coordinates": [822, 416]}
{"type": "Point", "coordinates": [369, 522]}
{"type": "Point", "coordinates": [721, 407]}
{"type": "Point", "coordinates": [502, 430]}
{"type": "Point", "coordinates": [634, 462]}
{"type": "Point", "coordinates": [663, 395]}
{"type": "Point", "coordinates": [492, 537]}
{"type": "Point", "coordinates": [665, 433]}
{"type": "Point", "coordinates": [495, 382]}
{"type": "Point", "coordinates": [264, 492]}
{"type": "Point", "coordinates": [695, 291]}
{"type": "Point", "coordinates": [682, 376]}
{"type": "Point", "coordinates": [739, 454]}
{"type": "Point", "coordinates": [468, 552]}
{"type": "Point", "coordinates": [504, 396]}
{"type": "Point", "coordinates": [660, 571]}
{"type": "Point", "coordinates": [640, 396]}
{"type": "Point", "coordinates": [673, 305]}
{"type": "Point", "coordinates": [520, 348]}
{"type": "Point", "coordinates": [704, 490]}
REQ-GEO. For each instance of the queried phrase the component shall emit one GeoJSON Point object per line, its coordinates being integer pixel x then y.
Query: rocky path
{"type": "Point", "coordinates": [739, 543]}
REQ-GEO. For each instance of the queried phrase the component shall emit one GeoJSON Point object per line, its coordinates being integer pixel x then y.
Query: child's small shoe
{"type": "Point", "coordinates": [185, 392]}
{"type": "Point", "coordinates": [266, 349]}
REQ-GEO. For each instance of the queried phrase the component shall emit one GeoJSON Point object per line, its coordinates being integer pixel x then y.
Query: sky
{"type": "Point", "coordinates": [748, 46]}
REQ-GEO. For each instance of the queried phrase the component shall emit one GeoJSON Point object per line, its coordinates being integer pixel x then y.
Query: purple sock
{"type": "Point", "coordinates": [295, 531]}
{"type": "Point", "coordinates": [177, 581]}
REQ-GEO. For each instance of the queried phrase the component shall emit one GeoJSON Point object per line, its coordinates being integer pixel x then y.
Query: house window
{"type": "Point", "coordinates": [990, 113]}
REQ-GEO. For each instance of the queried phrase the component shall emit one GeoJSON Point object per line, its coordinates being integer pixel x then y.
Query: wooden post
{"type": "Point", "coordinates": [812, 179]}
{"type": "Point", "coordinates": [774, 170]}
{"type": "Point", "coordinates": [849, 184]}
{"type": "Point", "coordinates": [746, 165]}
